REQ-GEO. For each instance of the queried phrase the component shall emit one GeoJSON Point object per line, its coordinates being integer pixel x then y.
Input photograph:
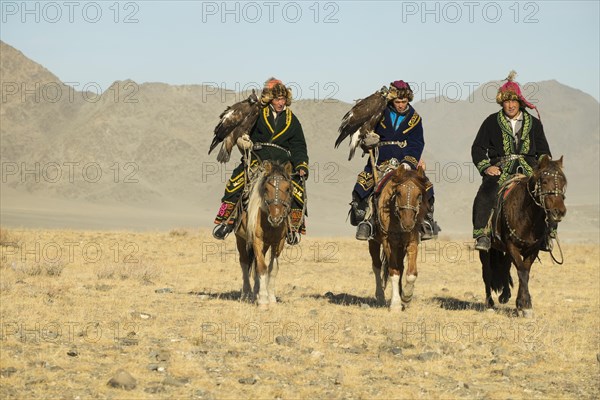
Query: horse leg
{"type": "Point", "coordinates": [411, 273]}
{"type": "Point", "coordinates": [396, 267]}
{"type": "Point", "coordinates": [273, 270]}
{"type": "Point", "coordinates": [524, 307]}
{"type": "Point", "coordinates": [245, 264]}
{"type": "Point", "coordinates": [505, 265]}
{"type": "Point", "coordinates": [486, 266]}
{"type": "Point", "coordinates": [375, 252]}
{"type": "Point", "coordinates": [262, 275]}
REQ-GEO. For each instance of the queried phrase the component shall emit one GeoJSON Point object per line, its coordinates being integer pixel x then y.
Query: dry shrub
{"type": "Point", "coordinates": [178, 232]}
{"type": "Point", "coordinates": [141, 270]}
{"type": "Point", "coordinates": [53, 269]}
{"type": "Point", "coordinates": [8, 238]}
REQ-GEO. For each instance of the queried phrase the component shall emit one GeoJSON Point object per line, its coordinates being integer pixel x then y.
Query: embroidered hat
{"type": "Point", "coordinates": [402, 90]}
{"type": "Point", "coordinates": [273, 89]}
{"type": "Point", "coordinates": [512, 91]}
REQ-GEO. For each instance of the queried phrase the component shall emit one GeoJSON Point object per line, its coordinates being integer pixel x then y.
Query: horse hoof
{"type": "Point", "coordinates": [503, 299]}
{"type": "Point", "coordinates": [273, 300]}
{"type": "Point", "coordinates": [527, 313]}
{"type": "Point", "coordinates": [491, 310]}
{"type": "Point", "coordinates": [396, 307]}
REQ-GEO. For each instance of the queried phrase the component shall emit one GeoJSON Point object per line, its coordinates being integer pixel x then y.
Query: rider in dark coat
{"type": "Point", "coordinates": [277, 135]}
{"type": "Point", "coordinates": [509, 141]}
{"type": "Point", "coordinates": [399, 138]}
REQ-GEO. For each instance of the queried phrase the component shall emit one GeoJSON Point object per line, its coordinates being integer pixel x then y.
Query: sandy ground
{"type": "Point", "coordinates": [77, 306]}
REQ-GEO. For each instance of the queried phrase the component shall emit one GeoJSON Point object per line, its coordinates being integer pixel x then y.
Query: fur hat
{"type": "Point", "coordinates": [402, 90]}
{"type": "Point", "coordinates": [512, 91]}
{"type": "Point", "coordinates": [273, 89]}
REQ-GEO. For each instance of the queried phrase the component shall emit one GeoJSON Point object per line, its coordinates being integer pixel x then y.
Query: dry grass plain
{"type": "Point", "coordinates": [77, 306]}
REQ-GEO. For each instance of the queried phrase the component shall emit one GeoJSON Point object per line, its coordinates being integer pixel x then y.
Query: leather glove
{"type": "Point", "coordinates": [244, 143]}
{"type": "Point", "coordinates": [370, 141]}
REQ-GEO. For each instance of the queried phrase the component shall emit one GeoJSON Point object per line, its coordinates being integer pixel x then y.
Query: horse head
{"type": "Point", "coordinates": [407, 197]}
{"type": "Point", "coordinates": [276, 191]}
{"type": "Point", "coordinates": [549, 188]}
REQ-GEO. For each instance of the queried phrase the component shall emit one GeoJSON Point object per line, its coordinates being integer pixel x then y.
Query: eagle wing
{"type": "Point", "coordinates": [362, 118]}
{"type": "Point", "coordinates": [235, 121]}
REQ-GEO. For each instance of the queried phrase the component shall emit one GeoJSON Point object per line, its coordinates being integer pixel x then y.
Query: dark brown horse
{"type": "Point", "coordinates": [520, 230]}
{"type": "Point", "coordinates": [400, 209]}
{"type": "Point", "coordinates": [262, 228]}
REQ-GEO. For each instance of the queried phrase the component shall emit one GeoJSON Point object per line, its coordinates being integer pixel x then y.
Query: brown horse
{"type": "Point", "coordinates": [400, 209]}
{"type": "Point", "coordinates": [520, 230]}
{"type": "Point", "coordinates": [262, 228]}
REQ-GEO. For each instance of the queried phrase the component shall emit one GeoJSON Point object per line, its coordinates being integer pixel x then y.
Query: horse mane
{"type": "Point", "coordinates": [257, 193]}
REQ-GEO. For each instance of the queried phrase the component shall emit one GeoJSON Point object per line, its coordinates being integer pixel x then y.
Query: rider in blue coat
{"type": "Point", "coordinates": [399, 138]}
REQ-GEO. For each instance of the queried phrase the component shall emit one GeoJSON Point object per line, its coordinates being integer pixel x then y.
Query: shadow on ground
{"type": "Point", "coordinates": [346, 299]}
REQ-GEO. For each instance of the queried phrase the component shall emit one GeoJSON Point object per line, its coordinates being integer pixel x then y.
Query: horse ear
{"type": "Point", "coordinates": [544, 159]}
{"type": "Point", "coordinates": [288, 168]}
{"type": "Point", "coordinates": [560, 162]}
{"type": "Point", "coordinates": [267, 166]}
{"type": "Point", "coordinates": [398, 174]}
{"type": "Point", "coordinates": [420, 171]}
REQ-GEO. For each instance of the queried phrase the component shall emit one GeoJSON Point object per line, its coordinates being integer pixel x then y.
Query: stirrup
{"type": "Point", "coordinates": [221, 231]}
{"type": "Point", "coordinates": [361, 234]}
{"type": "Point", "coordinates": [292, 237]}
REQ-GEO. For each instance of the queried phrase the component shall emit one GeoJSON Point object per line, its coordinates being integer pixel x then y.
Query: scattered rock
{"type": "Point", "coordinates": [156, 367]}
{"type": "Point", "coordinates": [155, 389]}
{"type": "Point", "coordinates": [428, 356]}
{"type": "Point", "coordinates": [122, 380]}
{"type": "Point", "coordinates": [247, 381]}
{"type": "Point", "coordinates": [128, 342]}
{"type": "Point", "coordinates": [355, 350]}
{"type": "Point", "coordinates": [397, 351]}
{"type": "Point", "coordinates": [178, 382]}
{"type": "Point", "coordinates": [364, 305]}
{"type": "Point", "coordinates": [141, 315]}
{"type": "Point", "coordinates": [462, 385]}
{"type": "Point", "coordinates": [72, 353]}
{"type": "Point", "coordinates": [7, 372]}
{"type": "Point", "coordinates": [164, 290]}
{"type": "Point", "coordinates": [160, 355]}
{"type": "Point", "coordinates": [203, 394]}
{"type": "Point", "coordinates": [284, 340]}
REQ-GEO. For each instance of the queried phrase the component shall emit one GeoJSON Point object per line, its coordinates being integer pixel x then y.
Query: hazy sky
{"type": "Point", "coordinates": [341, 49]}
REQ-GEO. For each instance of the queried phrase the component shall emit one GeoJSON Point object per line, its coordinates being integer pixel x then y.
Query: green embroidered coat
{"type": "Point", "coordinates": [496, 145]}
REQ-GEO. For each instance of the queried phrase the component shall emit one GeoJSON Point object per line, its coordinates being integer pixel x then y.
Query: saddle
{"type": "Point", "coordinates": [503, 192]}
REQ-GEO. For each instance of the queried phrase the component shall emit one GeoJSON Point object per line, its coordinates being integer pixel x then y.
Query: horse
{"type": "Point", "coordinates": [263, 227]}
{"type": "Point", "coordinates": [400, 209]}
{"type": "Point", "coordinates": [520, 230]}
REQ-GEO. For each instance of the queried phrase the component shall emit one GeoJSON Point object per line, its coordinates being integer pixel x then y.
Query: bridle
{"type": "Point", "coordinates": [540, 194]}
{"type": "Point", "coordinates": [274, 181]}
{"type": "Point", "coordinates": [407, 206]}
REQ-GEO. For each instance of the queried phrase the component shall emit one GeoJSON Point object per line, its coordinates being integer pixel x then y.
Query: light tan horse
{"type": "Point", "coordinates": [263, 227]}
{"type": "Point", "coordinates": [400, 209]}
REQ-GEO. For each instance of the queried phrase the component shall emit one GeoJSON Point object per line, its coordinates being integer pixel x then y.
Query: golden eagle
{"type": "Point", "coordinates": [364, 117]}
{"type": "Point", "coordinates": [236, 121]}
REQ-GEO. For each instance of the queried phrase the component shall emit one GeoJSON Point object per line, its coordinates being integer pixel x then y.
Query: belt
{"type": "Point", "coordinates": [401, 144]}
{"type": "Point", "coordinates": [259, 146]}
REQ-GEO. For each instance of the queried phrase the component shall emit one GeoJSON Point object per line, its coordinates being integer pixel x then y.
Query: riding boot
{"type": "Point", "coordinates": [429, 227]}
{"type": "Point", "coordinates": [296, 229]}
{"type": "Point", "coordinates": [358, 212]}
{"type": "Point", "coordinates": [225, 222]}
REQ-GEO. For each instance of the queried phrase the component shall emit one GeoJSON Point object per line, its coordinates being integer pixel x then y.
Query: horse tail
{"type": "Point", "coordinates": [500, 266]}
